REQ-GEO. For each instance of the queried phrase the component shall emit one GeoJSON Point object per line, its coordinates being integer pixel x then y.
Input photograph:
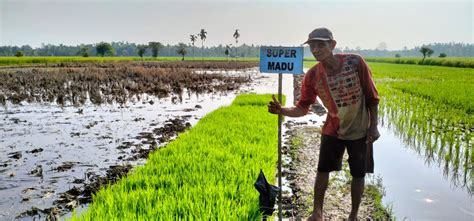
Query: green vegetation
{"type": "Point", "coordinates": [182, 50]}
{"type": "Point", "coordinates": [19, 54]}
{"type": "Point", "coordinates": [426, 51]}
{"type": "Point", "coordinates": [446, 85]}
{"type": "Point", "coordinates": [155, 48]}
{"type": "Point", "coordinates": [141, 49]}
{"type": "Point", "coordinates": [10, 61]}
{"type": "Point", "coordinates": [104, 48]}
{"type": "Point", "coordinates": [432, 109]}
{"type": "Point", "coordinates": [207, 173]}
{"type": "Point", "coordinates": [203, 35]}
{"type": "Point", "coordinates": [465, 62]}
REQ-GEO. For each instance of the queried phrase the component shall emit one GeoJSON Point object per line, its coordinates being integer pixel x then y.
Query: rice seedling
{"type": "Point", "coordinates": [431, 108]}
{"type": "Point", "coordinates": [207, 173]}
{"type": "Point", "coordinates": [464, 62]}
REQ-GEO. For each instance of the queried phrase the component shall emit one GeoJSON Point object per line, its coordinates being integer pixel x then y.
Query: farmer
{"type": "Point", "coordinates": [344, 84]}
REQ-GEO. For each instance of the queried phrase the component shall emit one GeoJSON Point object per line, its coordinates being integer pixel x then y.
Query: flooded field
{"type": "Point", "coordinates": [67, 130]}
{"type": "Point", "coordinates": [425, 151]}
{"type": "Point", "coordinates": [56, 152]}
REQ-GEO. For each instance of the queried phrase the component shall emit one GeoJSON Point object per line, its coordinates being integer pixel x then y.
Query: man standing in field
{"type": "Point", "coordinates": [344, 84]}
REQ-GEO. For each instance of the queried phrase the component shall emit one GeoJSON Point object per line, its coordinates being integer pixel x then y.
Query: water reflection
{"type": "Point", "coordinates": [433, 132]}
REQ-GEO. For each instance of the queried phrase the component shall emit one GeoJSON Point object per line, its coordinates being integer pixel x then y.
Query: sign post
{"type": "Point", "coordinates": [281, 60]}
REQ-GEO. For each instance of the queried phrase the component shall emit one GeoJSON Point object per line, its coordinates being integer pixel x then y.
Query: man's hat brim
{"type": "Point", "coordinates": [317, 39]}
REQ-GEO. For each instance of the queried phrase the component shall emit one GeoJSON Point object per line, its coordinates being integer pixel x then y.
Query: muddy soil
{"type": "Point", "coordinates": [53, 156]}
{"type": "Point", "coordinates": [303, 148]}
{"type": "Point", "coordinates": [100, 83]}
{"type": "Point", "coordinates": [301, 153]}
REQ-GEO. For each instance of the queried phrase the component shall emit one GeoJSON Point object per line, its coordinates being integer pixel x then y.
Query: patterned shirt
{"type": "Point", "coordinates": [346, 94]}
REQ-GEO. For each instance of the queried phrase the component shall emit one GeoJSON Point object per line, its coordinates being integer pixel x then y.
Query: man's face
{"type": "Point", "coordinates": [321, 49]}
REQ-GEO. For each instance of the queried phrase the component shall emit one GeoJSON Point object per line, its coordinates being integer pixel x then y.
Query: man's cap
{"type": "Point", "coordinates": [322, 34]}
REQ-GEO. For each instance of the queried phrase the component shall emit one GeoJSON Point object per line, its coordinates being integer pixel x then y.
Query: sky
{"type": "Point", "coordinates": [354, 23]}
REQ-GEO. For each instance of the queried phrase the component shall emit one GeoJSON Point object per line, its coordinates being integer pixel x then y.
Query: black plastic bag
{"type": "Point", "coordinates": [268, 194]}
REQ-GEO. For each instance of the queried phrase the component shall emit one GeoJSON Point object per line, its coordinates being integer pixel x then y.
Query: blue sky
{"type": "Point", "coordinates": [355, 23]}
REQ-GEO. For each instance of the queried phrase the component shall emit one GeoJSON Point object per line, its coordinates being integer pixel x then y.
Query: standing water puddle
{"type": "Point", "coordinates": [416, 189]}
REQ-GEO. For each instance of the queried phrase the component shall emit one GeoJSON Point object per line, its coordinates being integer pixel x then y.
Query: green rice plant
{"type": "Point", "coordinates": [465, 62]}
{"type": "Point", "coordinates": [432, 110]}
{"type": "Point", "coordinates": [445, 85]}
{"type": "Point", "coordinates": [437, 130]}
{"type": "Point", "coordinates": [207, 173]}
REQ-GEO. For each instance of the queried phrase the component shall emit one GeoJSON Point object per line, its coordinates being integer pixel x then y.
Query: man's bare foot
{"type": "Point", "coordinates": [315, 217]}
{"type": "Point", "coordinates": [352, 218]}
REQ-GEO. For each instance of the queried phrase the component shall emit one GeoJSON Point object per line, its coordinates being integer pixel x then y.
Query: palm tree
{"type": "Point", "coordinates": [203, 36]}
{"type": "Point", "coordinates": [236, 36]}
{"type": "Point", "coordinates": [193, 39]}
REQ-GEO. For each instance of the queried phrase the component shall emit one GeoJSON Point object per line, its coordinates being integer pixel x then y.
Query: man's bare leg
{"type": "Point", "coordinates": [320, 187]}
{"type": "Point", "coordinates": [357, 189]}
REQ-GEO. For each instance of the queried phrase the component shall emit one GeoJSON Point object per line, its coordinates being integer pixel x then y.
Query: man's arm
{"type": "Point", "coordinates": [292, 112]}
{"type": "Point", "coordinates": [373, 132]}
{"type": "Point", "coordinates": [275, 108]}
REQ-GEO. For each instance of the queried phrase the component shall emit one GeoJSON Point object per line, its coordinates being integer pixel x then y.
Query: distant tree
{"type": "Point", "coordinates": [397, 55]}
{"type": "Point", "coordinates": [382, 46]}
{"type": "Point", "coordinates": [182, 50]}
{"type": "Point", "coordinates": [442, 55]}
{"type": "Point", "coordinates": [104, 48]}
{"type": "Point", "coordinates": [155, 48]}
{"type": "Point", "coordinates": [426, 51]}
{"type": "Point", "coordinates": [227, 51]}
{"type": "Point", "coordinates": [84, 52]}
{"type": "Point", "coordinates": [193, 39]}
{"type": "Point", "coordinates": [19, 54]}
{"type": "Point", "coordinates": [124, 52]}
{"type": "Point", "coordinates": [236, 36]}
{"type": "Point", "coordinates": [141, 49]}
{"type": "Point", "coordinates": [203, 36]}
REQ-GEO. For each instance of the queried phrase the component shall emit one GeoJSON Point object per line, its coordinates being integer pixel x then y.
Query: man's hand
{"type": "Point", "coordinates": [274, 106]}
{"type": "Point", "coordinates": [372, 134]}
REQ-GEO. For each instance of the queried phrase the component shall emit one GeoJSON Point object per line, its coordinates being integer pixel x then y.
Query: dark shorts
{"type": "Point", "coordinates": [332, 150]}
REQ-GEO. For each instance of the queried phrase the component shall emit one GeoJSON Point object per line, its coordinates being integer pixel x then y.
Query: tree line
{"type": "Point", "coordinates": [155, 49]}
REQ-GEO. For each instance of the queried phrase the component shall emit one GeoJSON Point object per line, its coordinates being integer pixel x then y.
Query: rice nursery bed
{"type": "Point", "coordinates": [54, 155]}
{"type": "Point", "coordinates": [207, 173]}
